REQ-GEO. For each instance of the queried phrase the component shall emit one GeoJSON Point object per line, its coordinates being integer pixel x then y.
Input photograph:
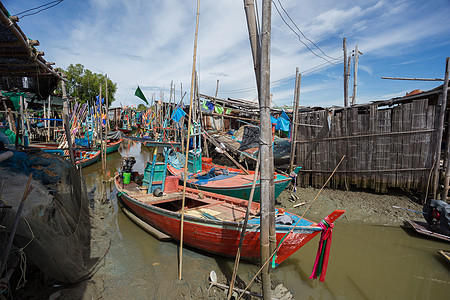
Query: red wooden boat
{"type": "Point", "coordinates": [212, 222]}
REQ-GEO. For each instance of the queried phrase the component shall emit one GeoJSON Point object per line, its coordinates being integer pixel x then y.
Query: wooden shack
{"type": "Point", "coordinates": [386, 144]}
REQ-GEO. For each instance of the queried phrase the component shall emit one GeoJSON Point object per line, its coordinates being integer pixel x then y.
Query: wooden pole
{"type": "Point", "coordinates": [438, 146]}
{"type": "Point", "coordinates": [255, 44]}
{"type": "Point", "coordinates": [187, 147]}
{"type": "Point", "coordinates": [355, 75]}
{"type": "Point", "coordinates": [348, 71]}
{"type": "Point", "coordinates": [217, 87]}
{"type": "Point", "coordinates": [265, 144]}
{"type": "Point", "coordinates": [345, 73]}
{"type": "Point", "coordinates": [49, 113]}
{"type": "Point", "coordinates": [202, 121]}
{"type": "Point", "coordinates": [244, 227]}
{"type": "Point", "coordinates": [298, 78]}
{"type": "Point", "coordinates": [413, 79]}
{"type": "Point", "coordinates": [66, 123]}
{"type": "Point", "coordinates": [215, 143]}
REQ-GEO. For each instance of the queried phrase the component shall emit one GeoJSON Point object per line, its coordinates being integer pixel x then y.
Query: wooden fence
{"type": "Point", "coordinates": [385, 145]}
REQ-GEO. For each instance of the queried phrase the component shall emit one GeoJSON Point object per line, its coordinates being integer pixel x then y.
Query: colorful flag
{"type": "Point", "coordinates": [228, 111]}
{"type": "Point", "coordinates": [140, 94]}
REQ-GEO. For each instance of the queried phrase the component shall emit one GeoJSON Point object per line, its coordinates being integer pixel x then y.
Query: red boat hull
{"type": "Point", "coordinates": [215, 236]}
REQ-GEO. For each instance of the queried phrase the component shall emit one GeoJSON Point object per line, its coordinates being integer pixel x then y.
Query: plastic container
{"type": "Point", "coordinates": [126, 178]}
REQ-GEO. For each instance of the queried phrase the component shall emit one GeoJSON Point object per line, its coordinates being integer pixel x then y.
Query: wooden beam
{"type": "Point", "coordinates": [416, 79]}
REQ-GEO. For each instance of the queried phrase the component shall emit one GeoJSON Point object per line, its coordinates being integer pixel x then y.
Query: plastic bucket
{"type": "Point", "coordinates": [126, 178]}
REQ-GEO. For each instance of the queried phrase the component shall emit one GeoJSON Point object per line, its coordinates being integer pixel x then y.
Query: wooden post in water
{"type": "Point", "coordinates": [294, 119]}
{"type": "Point", "coordinates": [187, 146]}
{"type": "Point", "coordinates": [447, 165]}
{"type": "Point", "coordinates": [345, 74]}
{"type": "Point", "coordinates": [265, 145]}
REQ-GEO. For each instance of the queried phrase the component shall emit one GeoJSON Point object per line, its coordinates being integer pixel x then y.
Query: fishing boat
{"type": "Point", "coordinates": [113, 146]}
{"type": "Point", "coordinates": [212, 222]}
{"type": "Point", "coordinates": [207, 176]}
{"type": "Point", "coordinates": [86, 158]}
{"type": "Point", "coordinates": [125, 130]}
{"type": "Point", "coordinates": [445, 255]}
{"type": "Point", "coordinates": [426, 229]}
{"type": "Point", "coordinates": [48, 147]}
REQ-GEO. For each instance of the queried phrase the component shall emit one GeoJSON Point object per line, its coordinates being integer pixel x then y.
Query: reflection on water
{"type": "Point", "coordinates": [366, 262]}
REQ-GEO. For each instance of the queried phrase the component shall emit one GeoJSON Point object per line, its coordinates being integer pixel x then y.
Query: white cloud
{"type": "Point", "coordinates": [150, 43]}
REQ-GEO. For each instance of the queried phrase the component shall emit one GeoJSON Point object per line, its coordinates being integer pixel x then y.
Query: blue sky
{"type": "Point", "coordinates": [150, 43]}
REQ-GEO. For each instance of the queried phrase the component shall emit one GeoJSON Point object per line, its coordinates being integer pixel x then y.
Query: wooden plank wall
{"type": "Point", "coordinates": [383, 146]}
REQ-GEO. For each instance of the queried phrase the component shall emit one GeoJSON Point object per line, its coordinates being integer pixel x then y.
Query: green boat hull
{"type": "Point", "coordinates": [112, 149]}
{"type": "Point", "coordinates": [243, 192]}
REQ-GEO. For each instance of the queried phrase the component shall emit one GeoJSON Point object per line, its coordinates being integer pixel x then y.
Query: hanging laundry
{"type": "Point", "coordinates": [178, 114]}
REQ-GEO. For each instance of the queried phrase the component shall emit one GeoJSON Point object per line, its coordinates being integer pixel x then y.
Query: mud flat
{"type": "Point", "coordinates": [361, 206]}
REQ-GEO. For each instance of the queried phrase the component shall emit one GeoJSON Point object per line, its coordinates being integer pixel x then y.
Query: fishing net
{"type": "Point", "coordinates": [250, 138]}
{"type": "Point", "coordinates": [56, 226]}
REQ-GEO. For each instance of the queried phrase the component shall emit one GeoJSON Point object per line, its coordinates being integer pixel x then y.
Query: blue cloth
{"type": "Point", "coordinates": [210, 105]}
{"type": "Point", "coordinates": [284, 116]}
{"type": "Point", "coordinates": [273, 120]}
{"type": "Point", "coordinates": [282, 124]}
{"type": "Point", "coordinates": [178, 114]}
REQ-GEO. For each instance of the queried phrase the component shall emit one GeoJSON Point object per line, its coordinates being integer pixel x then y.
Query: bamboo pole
{"type": "Point", "coordinates": [447, 165]}
{"type": "Point", "coordinates": [202, 121]}
{"type": "Point", "coordinates": [215, 143]}
{"type": "Point", "coordinates": [345, 73]}
{"type": "Point", "coordinates": [244, 227]}
{"type": "Point", "coordinates": [440, 130]}
{"type": "Point", "coordinates": [66, 123]}
{"type": "Point", "coordinates": [255, 43]}
{"type": "Point", "coordinates": [294, 117]}
{"type": "Point", "coordinates": [187, 147]}
{"type": "Point", "coordinates": [265, 145]}
{"type": "Point", "coordinates": [355, 75]}
{"type": "Point", "coordinates": [217, 88]}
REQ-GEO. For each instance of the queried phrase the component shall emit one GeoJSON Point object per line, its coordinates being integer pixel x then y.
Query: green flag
{"type": "Point", "coordinates": [140, 94]}
{"type": "Point", "coordinates": [228, 111]}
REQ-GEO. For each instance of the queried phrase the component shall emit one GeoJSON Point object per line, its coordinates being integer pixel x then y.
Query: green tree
{"type": "Point", "coordinates": [84, 85]}
{"type": "Point", "coordinates": [141, 107]}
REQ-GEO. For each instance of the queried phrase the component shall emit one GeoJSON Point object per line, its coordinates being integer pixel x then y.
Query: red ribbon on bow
{"type": "Point", "coordinates": [323, 253]}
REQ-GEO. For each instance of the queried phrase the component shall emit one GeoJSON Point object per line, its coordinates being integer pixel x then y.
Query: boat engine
{"type": "Point", "coordinates": [127, 164]}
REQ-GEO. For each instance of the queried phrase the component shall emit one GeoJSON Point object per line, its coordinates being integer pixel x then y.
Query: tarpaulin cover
{"type": "Point", "coordinates": [250, 138]}
{"type": "Point", "coordinates": [441, 207]}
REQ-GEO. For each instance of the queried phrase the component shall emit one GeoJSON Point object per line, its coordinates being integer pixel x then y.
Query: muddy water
{"type": "Point", "coordinates": [367, 261]}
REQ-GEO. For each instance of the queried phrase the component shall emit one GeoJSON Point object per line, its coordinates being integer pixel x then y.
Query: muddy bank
{"type": "Point", "coordinates": [360, 206]}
